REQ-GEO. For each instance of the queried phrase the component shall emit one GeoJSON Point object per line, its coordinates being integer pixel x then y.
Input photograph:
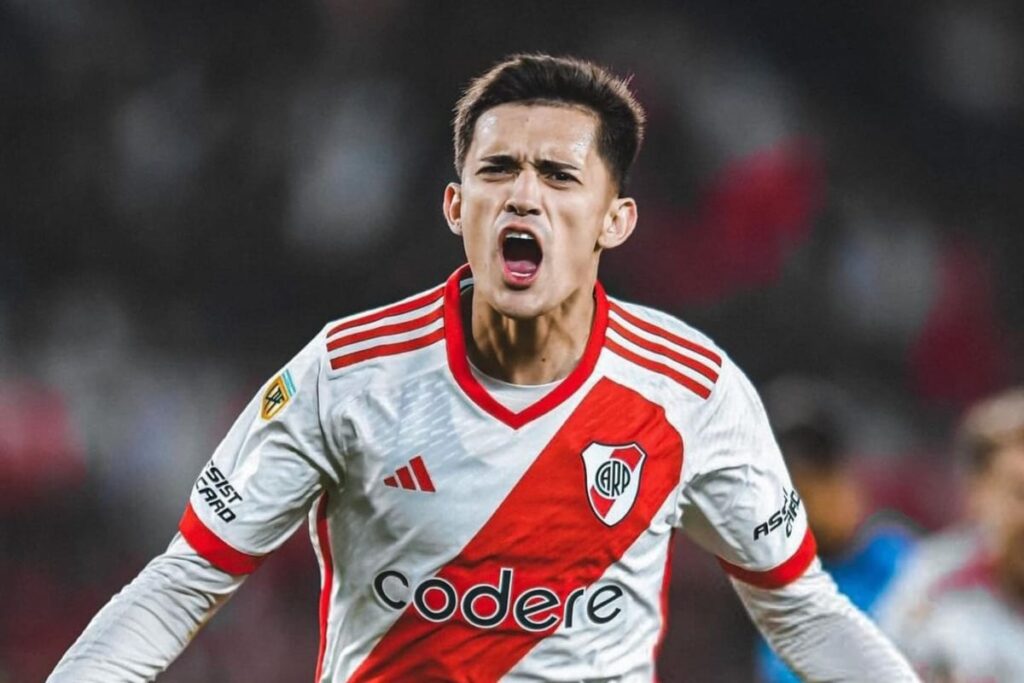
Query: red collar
{"type": "Point", "coordinates": [459, 364]}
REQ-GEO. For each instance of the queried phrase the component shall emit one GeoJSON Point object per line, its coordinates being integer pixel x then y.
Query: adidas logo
{"type": "Point", "coordinates": [413, 476]}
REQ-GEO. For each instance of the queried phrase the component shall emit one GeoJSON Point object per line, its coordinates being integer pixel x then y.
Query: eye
{"type": "Point", "coordinates": [560, 174]}
{"type": "Point", "coordinates": [493, 169]}
{"type": "Point", "coordinates": [564, 178]}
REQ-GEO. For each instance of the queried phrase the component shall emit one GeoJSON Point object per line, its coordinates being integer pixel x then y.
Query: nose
{"type": "Point", "coordinates": [524, 195]}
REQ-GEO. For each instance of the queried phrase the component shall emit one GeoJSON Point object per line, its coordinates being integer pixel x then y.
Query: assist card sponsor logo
{"type": "Point", "coordinates": [612, 479]}
{"type": "Point", "coordinates": [217, 492]}
{"type": "Point", "coordinates": [277, 395]}
{"type": "Point", "coordinates": [785, 514]}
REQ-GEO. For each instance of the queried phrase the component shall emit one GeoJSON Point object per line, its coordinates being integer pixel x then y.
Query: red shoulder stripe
{"type": "Point", "coordinates": [785, 573]}
{"type": "Point", "coordinates": [397, 309]}
{"type": "Point", "coordinates": [209, 545]}
{"type": "Point", "coordinates": [660, 368]}
{"type": "Point", "coordinates": [387, 349]}
{"type": "Point", "coordinates": [694, 365]}
{"type": "Point", "coordinates": [664, 334]}
{"type": "Point", "coordinates": [386, 330]}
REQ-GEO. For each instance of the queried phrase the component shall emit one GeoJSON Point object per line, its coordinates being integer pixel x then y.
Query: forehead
{"type": "Point", "coordinates": [554, 132]}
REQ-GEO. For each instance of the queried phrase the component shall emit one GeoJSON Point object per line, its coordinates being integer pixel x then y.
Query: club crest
{"type": "Point", "coordinates": [613, 479]}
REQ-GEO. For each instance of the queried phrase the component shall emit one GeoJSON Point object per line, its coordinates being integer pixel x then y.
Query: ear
{"type": "Point", "coordinates": [618, 223]}
{"type": "Point", "coordinates": [453, 207]}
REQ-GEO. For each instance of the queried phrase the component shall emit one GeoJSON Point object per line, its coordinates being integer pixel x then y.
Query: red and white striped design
{"type": "Point", "coordinates": [650, 346]}
{"type": "Point", "coordinates": [506, 495]}
{"type": "Point", "coordinates": [410, 324]}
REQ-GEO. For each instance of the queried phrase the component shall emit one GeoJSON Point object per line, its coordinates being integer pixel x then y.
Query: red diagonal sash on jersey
{"type": "Point", "coordinates": [546, 531]}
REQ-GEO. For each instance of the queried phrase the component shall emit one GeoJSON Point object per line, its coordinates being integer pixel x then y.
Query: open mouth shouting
{"type": "Point", "coordinates": [521, 256]}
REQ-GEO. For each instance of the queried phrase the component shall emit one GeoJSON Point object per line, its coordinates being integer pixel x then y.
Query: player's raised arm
{"type": "Point", "coordinates": [740, 504]}
{"type": "Point", "coordinates": [250, 497]}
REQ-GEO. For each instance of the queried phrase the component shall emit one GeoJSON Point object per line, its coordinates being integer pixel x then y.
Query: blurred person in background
{"type": "Point", "coordinates": [963, 619]}
{"type": "Point", "coordinates": [491, 470]}
{"type": "Point", "coordinates": [861, 550]}
{"type": "Point", "coordinates": [943, 552]}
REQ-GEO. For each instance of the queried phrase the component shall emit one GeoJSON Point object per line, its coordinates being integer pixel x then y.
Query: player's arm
{"type": "Point", "coordinates": [819, 633]}
{"type": "Point", "coordinates": [255, 491]}
{"type": "Point", "coordinates": [739, 504]}
{"type": "Point", "coordinates": [147, 625]}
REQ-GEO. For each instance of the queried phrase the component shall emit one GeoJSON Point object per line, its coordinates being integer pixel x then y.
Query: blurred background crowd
{"type": "Point", "coordinates": [190, 190]}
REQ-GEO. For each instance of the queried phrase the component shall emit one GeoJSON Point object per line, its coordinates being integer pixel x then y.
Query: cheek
{"type": "Point", "coordinates": [476, 219]}
{"type": "Point", "coordinates": [480, 200]}
{"type": "Point", "coordinates": [577, 225]}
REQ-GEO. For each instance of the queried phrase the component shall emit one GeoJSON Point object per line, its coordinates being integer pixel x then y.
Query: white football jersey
{"type": "Point", "coordinates": [908, 599]}
{"type": "Point", "coordinates": [968, 629]}
{"type": "Point", "coordinates": [460, 540]}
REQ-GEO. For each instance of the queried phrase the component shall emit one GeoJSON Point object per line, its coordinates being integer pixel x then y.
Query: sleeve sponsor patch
{"type": "Point", "coordinates": [277, 395]}
{"type": "Point", "coordinates": [787, 513]}
{"type": "Point", "coordinates": [217, 492]}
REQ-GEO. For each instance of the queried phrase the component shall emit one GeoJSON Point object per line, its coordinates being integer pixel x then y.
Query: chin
{"type": "Point", "coordinates": [520, 304]}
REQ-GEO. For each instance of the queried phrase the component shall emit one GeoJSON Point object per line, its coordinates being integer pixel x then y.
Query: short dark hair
{"type": "Point", "coordinates": [543, 79]}
{"type": "Point", "coordinates": [814, 444]}
{"type": "Point", "coordinates": [807, 419]}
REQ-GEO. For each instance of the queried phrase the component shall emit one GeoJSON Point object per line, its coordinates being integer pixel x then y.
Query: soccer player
{"type": "Point", "coordinates": [964, 621]}
{"type": "Point", "coordinates": [492, 469]}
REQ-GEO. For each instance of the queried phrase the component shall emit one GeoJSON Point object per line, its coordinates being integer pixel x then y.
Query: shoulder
{"type": "Point", "coordinates": [664, 344]}
{"type": "Point", "coordinates": [667, 327]}
{"type": "Point", "coordinates": [977, 574]}
{"type": "Point", "coordinates": [718, 399]}
{"type": "Point", "coordinates": [926, 565]}
{"type": "Point", "coordinates": [939, 555]}
{"type": "Point", "coordinates": [384, 336]}
{"type": "Point", "coordinates": [966, 610]}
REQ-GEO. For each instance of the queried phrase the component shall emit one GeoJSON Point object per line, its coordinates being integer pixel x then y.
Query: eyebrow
{"type": "Point", "coordinates": [540, 164]}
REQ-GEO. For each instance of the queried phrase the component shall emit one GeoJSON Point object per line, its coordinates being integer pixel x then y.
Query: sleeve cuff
{"type": "Point", "coordinates": [779, 576]}
{"type": "Point", "coordinates": [210, 546]}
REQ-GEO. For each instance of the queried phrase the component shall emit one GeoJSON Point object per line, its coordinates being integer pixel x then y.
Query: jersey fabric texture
{"type": "Point", "coordinates": [460, 540]}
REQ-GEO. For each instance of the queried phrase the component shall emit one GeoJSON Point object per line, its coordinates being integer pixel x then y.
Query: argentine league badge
{"type": "Point", "coordinates": [613, 479]}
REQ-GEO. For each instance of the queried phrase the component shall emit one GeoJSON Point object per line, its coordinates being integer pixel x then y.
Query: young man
{"type": "Point", "coordinates": [965, 621]}
{"type": "Point", "coordinates": [493, 469]}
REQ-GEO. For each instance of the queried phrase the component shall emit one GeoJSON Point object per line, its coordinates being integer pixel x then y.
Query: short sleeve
{"type": "Point", "coordinates": [262, 479]}
{"type": "Point", "coordinates": [738, 500]}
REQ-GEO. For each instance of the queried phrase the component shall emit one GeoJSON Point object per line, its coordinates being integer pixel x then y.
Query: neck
{"type": "Point", "coordinates": [534, 351]}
